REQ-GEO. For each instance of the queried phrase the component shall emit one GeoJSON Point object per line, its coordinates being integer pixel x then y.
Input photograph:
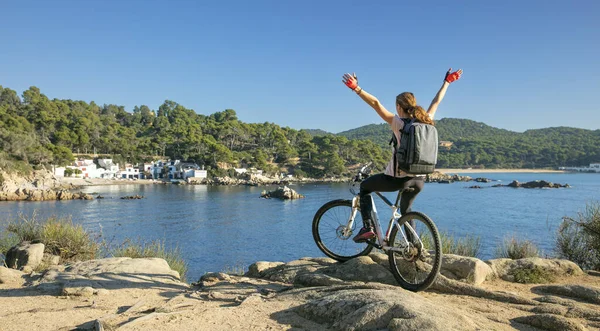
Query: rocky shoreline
{"type": "Point", "coordinates": [43, 186]}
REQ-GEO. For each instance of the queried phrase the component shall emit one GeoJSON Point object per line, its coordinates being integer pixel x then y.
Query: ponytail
{"type": "Point", "coordinates": [419, 114]}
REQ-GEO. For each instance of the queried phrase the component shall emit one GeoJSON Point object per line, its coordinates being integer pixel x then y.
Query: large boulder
{"type": "Point", "coordinates": [466, 269]}
{"type": "Point", "coordinates": [363, 269]}
{"type": "Point", "coordinates": [25, 254]}
{"type": "Point", "coordinates": [506, 268]}
{"type": "Point", "coordinates": [381, 308]}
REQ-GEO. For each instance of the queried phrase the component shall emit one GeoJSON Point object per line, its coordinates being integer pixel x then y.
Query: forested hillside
{"type": "Point", "coordinates": [38, 131]}
{"type": "Point", "coordinates": [476, 144]}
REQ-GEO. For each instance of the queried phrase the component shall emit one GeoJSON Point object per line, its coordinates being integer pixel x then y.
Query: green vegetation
{"type": "Point", "coordinates": [536, 275]}
{"type": "Point", "coordinates": [73, 243]}
{"type": "Point", "coordinates": [463, 246]}
{"type": "Point", "coordinates": [515, 248]}
{"type": "Point", "coordinates": [578, 239]}
{"type": "Point", "coordinates": [156, 248]}
{"type": "Point", "coordinates": [476, 144]}
{"type": "Point", "coordinates": [59, 235]}
{"type": "Point", "coordinates": [39, 131]}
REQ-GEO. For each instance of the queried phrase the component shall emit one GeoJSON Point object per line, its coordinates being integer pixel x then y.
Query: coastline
{"type": "Point", "coordinates": [80, 182]}
{"type": "Point", "coordinates": [483, 171]}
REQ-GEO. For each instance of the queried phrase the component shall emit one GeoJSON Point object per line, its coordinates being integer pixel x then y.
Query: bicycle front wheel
{"type": "Point", "coordinates": [332, 234]}
{"type": "Point", "coordinates": [415, 255]}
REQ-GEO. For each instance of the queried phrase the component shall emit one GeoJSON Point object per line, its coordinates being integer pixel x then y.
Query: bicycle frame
{"type": "Point", "coordinates": [382, 241]}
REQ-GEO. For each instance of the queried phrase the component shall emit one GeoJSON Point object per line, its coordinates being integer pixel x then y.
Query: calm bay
{"type": "Point", "coordinates": [229, 227]}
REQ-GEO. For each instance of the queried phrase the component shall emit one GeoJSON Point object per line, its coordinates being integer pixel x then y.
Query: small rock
{"type": "Point", "coordinates": [215, 277]}
{"type": "Point", "coordinates": [474, 186]}
{"type": "Point", "coordinates": [466, 269]}
{"type": "Point", "coordinates": [253, 299]}
{"type": "Point", "coordinates": [85, 292]}
{"type": "Point", "coordinates": [132, 197]}
{"type": "Point", "coordinates": [50, 259]}
{"type": "Point", "coordinates": [10, 276]}
{"type": "Point", "coordinates": [258, 269]}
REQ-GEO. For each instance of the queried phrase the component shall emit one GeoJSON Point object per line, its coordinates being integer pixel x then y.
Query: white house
{"type": "Point", "coordinates": [594, 167]}
{"type": "Point", "coordinates": [195, 173]}
{"type": "Point", "coordinates": [130, 172]}
{"type": "Point", "coordinates": [111, 169]}
{"type": "Point", "coordinates": [88, 169]}
{"type": "Point", "coordinates": [166, 169]}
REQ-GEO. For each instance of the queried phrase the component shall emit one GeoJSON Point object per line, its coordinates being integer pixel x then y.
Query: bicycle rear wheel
{"type": "Point", "coordinates": [415, 261]}
{"type": "Point", "coordinates": [330, 231]}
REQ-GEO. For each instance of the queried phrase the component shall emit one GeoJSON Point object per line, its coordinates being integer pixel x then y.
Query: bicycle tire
{"type": "Point", "coordinates": [434, 262]}
{"type": "Point", "coordinates": [346, 248]}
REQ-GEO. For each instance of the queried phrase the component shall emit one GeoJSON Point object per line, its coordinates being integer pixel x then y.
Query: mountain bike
{"type": "Point", "coordinates": [412, 241]}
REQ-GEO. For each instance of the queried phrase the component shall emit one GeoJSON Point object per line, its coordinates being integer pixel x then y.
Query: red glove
{"type": "Point", "coordinates": [350, 81]}
{"type": "Point", "coordinates": [452, 76]}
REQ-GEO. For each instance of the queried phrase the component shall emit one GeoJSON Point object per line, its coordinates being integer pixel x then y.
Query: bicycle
{"type": "Point", "coordinates": [414, 255]}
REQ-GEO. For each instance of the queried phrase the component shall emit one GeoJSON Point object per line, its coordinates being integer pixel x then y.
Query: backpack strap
{"type": "Point", "coordinates": [407, 124]}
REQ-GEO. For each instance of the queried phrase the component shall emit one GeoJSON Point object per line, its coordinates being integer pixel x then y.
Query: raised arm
{"type": "Point", "coordinates": [352, 82]}
{"type": "Point", "coordinates": [450, 77]}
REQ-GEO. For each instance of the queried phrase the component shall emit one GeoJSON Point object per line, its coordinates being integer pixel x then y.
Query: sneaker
{"type": "Point", "coordinates": [364, 234]}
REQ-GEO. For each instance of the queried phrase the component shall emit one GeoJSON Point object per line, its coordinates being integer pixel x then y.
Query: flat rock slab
{"type": "Point", "coordinates": [506, 268]}
{"type": "Point", "coordinates": [581, 292]}
{"type": "Point", "coordinates": [110, 273]}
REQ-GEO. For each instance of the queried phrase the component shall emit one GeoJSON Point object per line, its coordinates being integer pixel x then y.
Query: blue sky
{"type": "Point", "coordinates": [527, 64]}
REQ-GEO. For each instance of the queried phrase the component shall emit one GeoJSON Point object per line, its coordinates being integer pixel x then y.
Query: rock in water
{"type": "Point", "coordinates": [537, 184]}
{"type": "Point", "coordinates": [132, 197]}
{"type": "Point", "coordinates": [284, 193]}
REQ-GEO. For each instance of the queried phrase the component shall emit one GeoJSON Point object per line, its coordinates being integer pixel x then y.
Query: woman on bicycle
{"type": "Point", "coordinates": [406, 108]}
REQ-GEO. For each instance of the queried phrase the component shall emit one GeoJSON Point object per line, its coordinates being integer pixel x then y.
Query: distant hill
{"type": "Point", "coordinates": [477, 144]}
{"type": "Point", "coordinates": [316, 132]}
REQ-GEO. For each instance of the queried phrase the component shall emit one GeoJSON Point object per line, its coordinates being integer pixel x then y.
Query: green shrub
{"type": "Point", "coordinates": [464, 246]}
{"type": "Point", "coordinates": [156, 248]}
{"type": "Point", "coordinates": [7, 240]}
{"type": "Point", "coordinates": [536, 275]}
{"type": "Point", "coordinates": [59, 235]}
{"type": "Point", "coordinates": [68, 240]}
{"type": "Point", "coordinates": [578, 239]}
{"type": "Point", "coordinates": [514, 248]}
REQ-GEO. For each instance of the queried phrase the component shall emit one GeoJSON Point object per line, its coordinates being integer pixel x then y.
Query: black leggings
{"type": "Point", "coordinates": [385, 183]}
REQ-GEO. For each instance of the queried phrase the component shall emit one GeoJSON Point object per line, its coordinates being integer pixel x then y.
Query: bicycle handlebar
{"type": "Point", "coordinates": [363, 172]}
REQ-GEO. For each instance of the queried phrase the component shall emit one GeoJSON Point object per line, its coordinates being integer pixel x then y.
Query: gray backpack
{"type": "Point", "coordinates": [417, 152]}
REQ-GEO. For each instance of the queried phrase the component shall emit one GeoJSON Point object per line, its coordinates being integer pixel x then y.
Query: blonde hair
{"type": "Point", "coordinates": [408, 103]}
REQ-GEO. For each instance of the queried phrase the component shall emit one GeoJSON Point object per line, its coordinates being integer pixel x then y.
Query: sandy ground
{"type": "Point", "coordinates": [458, 171]}
{"type": "Point", "coordinates": [187, 308]}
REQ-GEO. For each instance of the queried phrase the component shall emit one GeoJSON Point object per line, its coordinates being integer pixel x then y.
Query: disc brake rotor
{"type": "Point", "coordinates": [343, 233]}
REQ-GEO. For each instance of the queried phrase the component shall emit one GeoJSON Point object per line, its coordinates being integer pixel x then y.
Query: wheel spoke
{"type": "Point", "coordinates": [416, 266]}
{"type": "Point", "coordinates": [329, 231]}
